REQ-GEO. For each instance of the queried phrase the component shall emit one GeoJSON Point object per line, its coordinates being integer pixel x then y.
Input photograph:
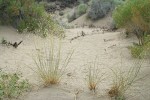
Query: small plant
{"type": "Point", "coordinates": [49, 63]}
{"type": "Point", "coordinates": [11, 86]}
{"type": "Point", "coordinates": [123, 81]}
{"type": "Point", "coordinates": [95, 76]}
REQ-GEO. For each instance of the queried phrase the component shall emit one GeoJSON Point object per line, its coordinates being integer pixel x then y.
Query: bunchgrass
{"type": "Point", "coordinates": [122, 81]}
{"type": "Point", "coordinates": [95, 75]}
{"type": "Point", "coordinates": [49, 63]}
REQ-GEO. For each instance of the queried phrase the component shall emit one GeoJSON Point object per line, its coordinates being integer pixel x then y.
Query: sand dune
{"type": "Point", "coordinates": [110, 47]}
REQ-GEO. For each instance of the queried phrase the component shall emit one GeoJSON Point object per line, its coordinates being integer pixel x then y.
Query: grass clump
{"type": "Point", "coordinates": [11, 86]}
{"type": "Point", "coordinates": [49, 63]}
{"type": "Point", "coordinates": [95, 75]}
{"type": "Point", "coordinates": [122, 81]}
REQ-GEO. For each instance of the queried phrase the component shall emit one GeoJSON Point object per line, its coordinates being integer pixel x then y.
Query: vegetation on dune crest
{"type": "Point", "coordinates": [25, 15]}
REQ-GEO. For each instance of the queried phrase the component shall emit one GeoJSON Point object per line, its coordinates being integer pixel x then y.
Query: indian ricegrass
{"type": "Point", "coordinates": [49, 63]}
{"type": "Point", "coordinates": [122, 81]}
{"type": "Point", "coordinates": [95, 75]}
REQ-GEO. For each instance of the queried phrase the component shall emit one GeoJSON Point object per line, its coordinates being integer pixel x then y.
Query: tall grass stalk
{"type": "Point", "coordinates": [49, 63]}
{"type": "Point", "coordinates": [95, 75]}
{"type": "Point", "coordinates": [122, 81]}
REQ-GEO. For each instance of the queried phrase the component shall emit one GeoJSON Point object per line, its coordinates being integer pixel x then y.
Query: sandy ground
{"type": "Point", "coordinates": [110, 47]}
{"type": "Point", "coordinates": [84, 21]}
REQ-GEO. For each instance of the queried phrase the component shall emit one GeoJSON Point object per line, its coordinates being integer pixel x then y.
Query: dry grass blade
{"type": "Point", "coordinates": [122, 81]}
{"type": "Point", "coordinates": [95, 76]}
{"type": "Point", "coordinates": [50, 66]}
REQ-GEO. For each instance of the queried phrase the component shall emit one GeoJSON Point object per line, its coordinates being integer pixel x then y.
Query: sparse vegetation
{"type": "Point", "coordinates": [46, 18]}
{"type": "Point", "coordinates": [50, 65]}
{"type": "Point", "coordinates": [122, 81]}
{"type": "Point", "coordinates": [11, 86]}
{"type": "Point", "coordinates": [95, 75]}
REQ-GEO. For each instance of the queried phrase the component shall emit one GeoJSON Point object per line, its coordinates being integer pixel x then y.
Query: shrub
{"type": "Point", "coordinates": [49, 63]}
{"type": "Point", "coordinates": [99, 9]}
{"type": "Point", "coordinates": [15, 12]}
{"type": "Point", "coordinates": [11, 86]}
{"type": "Point", "coordinates": [134, 15]}
{"type": "Point", "coordinates": [81, 9]}
{"type": "Point", "coordinates": [25, 15]}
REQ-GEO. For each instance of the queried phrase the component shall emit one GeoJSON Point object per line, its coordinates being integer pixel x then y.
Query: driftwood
{"type": "Point", "coordinates": [15, 44]}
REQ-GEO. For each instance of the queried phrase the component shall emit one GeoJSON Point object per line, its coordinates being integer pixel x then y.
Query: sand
{"type": "Point", "coordinates": [110, 47]}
